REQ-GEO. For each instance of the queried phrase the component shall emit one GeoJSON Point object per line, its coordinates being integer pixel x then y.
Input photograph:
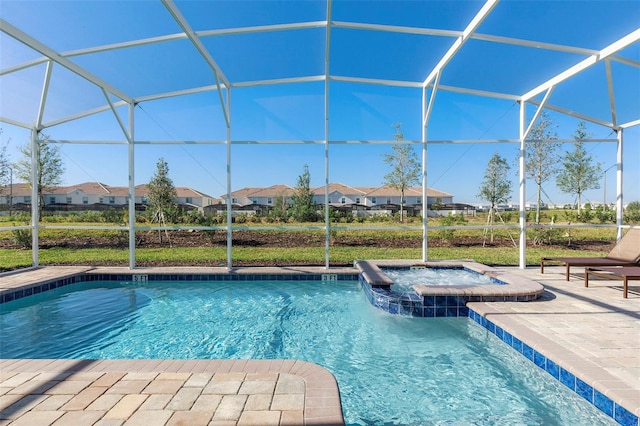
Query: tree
{"type": "Point", "coordinates": [49, 164]}
{"type": "Point", "coordinates": [496, 187]}
{"type": "Point", "coordinates": [302, 206]}
{"type": "Point", "coordinates": [5, 167]}
{"type": "Point", "coordinates": [579, 174]}
{"type": "Point", "coordinates": [405, 167]}
{"type": "Point", "coordinates": [541, 156]}
{"type": "Point", "coordinates": [279, 212]}
{"type": "Point", "coordinates": [161, 192]}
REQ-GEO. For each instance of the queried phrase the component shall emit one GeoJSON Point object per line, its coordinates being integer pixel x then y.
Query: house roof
{"type": "Point", "coordinates": [100, 189]}
{"type": "Point", "coordinates": [388, 191]}
{"type": "Point", "coordinates": [340, 188]}
{"type": "Point", "coordinates": [270, 191]}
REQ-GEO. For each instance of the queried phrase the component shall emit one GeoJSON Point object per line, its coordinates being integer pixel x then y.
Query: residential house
{"type": "Point", "coordinates": [96, 195]}
{"type": "Point", "coordinates": [357, 200]}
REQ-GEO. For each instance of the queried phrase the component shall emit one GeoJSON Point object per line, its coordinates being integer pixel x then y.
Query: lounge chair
{"type": "Point", "coordinates": [622, 273]}
{"type": "Point", "coordinates": [625, 253]}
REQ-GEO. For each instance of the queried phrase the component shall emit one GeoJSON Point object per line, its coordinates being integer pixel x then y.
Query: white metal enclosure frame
{"type": "Point", "coordinates": [115, 98]}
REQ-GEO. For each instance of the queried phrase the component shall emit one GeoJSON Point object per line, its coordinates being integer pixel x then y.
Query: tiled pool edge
{"type": "Point", "coordinates": [592, 395]}
{"type": "Point", "coordinates": [10, 294]}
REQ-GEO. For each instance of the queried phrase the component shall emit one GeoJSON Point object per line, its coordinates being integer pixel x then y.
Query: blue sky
{"type": "Point", "coordinates": [289, 112]}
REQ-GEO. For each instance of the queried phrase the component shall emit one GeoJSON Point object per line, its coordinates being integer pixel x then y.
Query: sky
{"type": "Point", "coordinates": [296, 112]}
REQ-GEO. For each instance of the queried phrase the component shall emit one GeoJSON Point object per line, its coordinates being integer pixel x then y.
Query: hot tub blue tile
{"type": "Point", "coordinates": [463, 311]}
{"type": "Point", "coordinates": [527, 351]}
{"type": "Point", "coordinates": [584, 390]}
{"type": "Point", "coordinates": [539, 360]}
{"type": "Point", "coordinates": [429, 312]}
{"type": "Point", "coordinates": [553, 369]}
{"type": "Point", "coordinates": [517, 344]}
{"type": "Point", "coordinates": [624, 416]}
{"type": "Point", "coordinates": [603, 402]}
{"type": "Point", "coordinates": [507, 338]}
{"type": "Point", "coordinates": [567, 379]}
{"type": "Point", "coordinates": [452, 311]}
{"type": "Point", "coordinates": [452, 300]}
{"type": "Point", "coordinates": [491, 326]}
{"type": "Point", "coordinates": [441, 311]}
{"type": "Point", "coordinates": [430, 301]}
{"type": "Point", "coordinates": [499, 332]}
{"type": "Point", "coordinates": [441, 301]}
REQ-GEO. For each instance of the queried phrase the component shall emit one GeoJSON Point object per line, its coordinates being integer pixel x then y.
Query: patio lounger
{"type": "Point", "coordinates": [625, 253]}
{"type": "Point", "coordinates": [622, 273]}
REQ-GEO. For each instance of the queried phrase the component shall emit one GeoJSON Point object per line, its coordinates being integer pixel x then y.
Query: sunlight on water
{"type": "Point", "coordinates": [405, 279]}
{"type": "Point", "coordinates": [392, 370]}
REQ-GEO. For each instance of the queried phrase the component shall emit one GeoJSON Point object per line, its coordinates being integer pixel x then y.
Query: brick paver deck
{"type": "Point", "coordinates": [167, 392]}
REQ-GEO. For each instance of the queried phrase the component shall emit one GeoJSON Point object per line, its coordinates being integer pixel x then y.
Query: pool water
{"type": "Point", "coordinates": [391, 370]}
{"type": "Point", "coordinates": [404, 279]}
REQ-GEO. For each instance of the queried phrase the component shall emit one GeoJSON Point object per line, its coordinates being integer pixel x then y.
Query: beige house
{"type": "Point", "coordinates": [96, 193]}
{"type": "Point", "coordinates": [383, 199]}
{"type": "Point", "coordinates": [363, 200]}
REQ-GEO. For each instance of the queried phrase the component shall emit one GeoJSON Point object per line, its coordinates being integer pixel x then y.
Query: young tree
{"type": "Point", "coordinates": [279, 212]}
{"type": "Point", "coordinates": [405, 167]}
{"type": "Point", "coordinates": [496, 186]}
{"type": "Point", "coordinates": [579, 174]}
{"type": "Point", "coordinates": [5, 167]}
{"type": "Point", "coordinates": [302, 206]}
{"type": "Point", "coordinates": [49, 164]}
{"type": "Point", "coordinates": [541, 156]}
{"type": "Point", "coordinates": [162, 193]}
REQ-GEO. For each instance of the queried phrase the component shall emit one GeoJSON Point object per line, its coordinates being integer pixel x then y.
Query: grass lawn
{"type": "Point", "coordinates": [216, 256]}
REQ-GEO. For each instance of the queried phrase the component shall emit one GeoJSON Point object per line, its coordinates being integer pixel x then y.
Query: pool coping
{"type": "Point", "coordinates": [587, 372]}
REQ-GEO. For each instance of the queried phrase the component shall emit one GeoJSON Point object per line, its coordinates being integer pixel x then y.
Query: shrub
{"type": "Point", "coordinates": [586, 214]}
{"type": "Point", "coordinates": [22, 237]}
{"type": "Point", "coordinates": [112, 215]}
{"type": "Point", "coordinates": [632, 212]}
{"type": "Point", "coordinates": [605, 216]}
{"type": "Point", "coordinates": [90, 217]}
{"type": "Point", "coordinates": [569, 215]}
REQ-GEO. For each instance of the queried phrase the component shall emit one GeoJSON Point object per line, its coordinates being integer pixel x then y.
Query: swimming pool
{"type": "Point", "coordinates": [390, 369]}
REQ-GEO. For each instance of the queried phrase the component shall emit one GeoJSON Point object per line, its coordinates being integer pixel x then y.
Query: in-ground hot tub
{"type": "Point", "coordinates": [436, 299]}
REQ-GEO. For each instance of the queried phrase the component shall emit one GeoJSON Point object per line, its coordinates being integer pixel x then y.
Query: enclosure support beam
{"type": "Point", "coordinates": [34, 44]}
{"type": "Point", "coordinates": [197, 43]}
{"type": "Point", "coordinates": [462, 39]}
{"type": "Point", "coordinates": [619, 194]}
{"type": "Point", "coordinates": [35, 200]}
{"type": "Point", "coordinates": [523, 195]}
{"type": "Point", "coordinates": [426, 115]}
{"type": "Point", "coordinates": [612, 99]}
{"type": "Point", "coordinates": [327, 221]}
{"type": "Point", "coordinates": [229, 200]}
{"type": "Point", "coordinates": [132, 188]}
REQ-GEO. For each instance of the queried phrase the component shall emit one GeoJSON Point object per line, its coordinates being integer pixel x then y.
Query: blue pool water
{"type": "Point", "coordinates": [404, 279]}
{"type": "Point", "coordinates": [391, 370]}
